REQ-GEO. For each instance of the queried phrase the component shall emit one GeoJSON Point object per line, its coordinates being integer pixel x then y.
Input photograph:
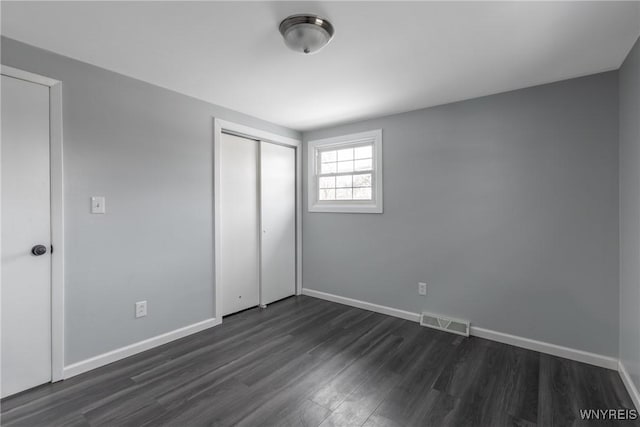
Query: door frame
{"type": "Point", "coordinates": [57, 212]}
{"type": "Point", "coordinates": [220, 126]}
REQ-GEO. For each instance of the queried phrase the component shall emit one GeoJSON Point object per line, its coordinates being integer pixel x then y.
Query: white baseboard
{"type": "Point", "coordinates": [407, 315]}
{"type": "Point", "coordinates": [540, 346]}
{"type": "Point", "coordinates": [120, 353]}
{"type": "Point", "coordinates": [548, 348]}
{"type": "Point", "coordinates": [630, 386]}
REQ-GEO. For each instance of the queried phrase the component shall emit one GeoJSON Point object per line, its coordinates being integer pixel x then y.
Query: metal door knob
{"type": "Point", "coordinates": [38, 250]}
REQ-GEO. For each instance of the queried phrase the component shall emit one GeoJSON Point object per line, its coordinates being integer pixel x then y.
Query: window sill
{"type": "Point", "coordinates": [343, 208]}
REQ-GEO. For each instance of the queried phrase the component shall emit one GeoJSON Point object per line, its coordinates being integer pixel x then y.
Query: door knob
{"type": "Point", "coordinates": [38, 250]}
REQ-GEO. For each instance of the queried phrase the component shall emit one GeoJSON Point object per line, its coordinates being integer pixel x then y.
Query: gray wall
{"type": "Point", "coordinates": [630, 214]}
{"type": "Point", "coordinates": [506, 205]}
{"type": "Point", "coordinates": [149, 152]}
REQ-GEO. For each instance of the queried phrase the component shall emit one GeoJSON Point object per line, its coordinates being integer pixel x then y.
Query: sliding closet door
{"type": "Point", "coordinates": [240, 222]}
{"type": "Point", "coordinates": [278, 195]}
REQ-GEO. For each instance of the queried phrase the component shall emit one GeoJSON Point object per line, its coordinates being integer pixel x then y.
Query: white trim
{"type": "Point", "coordinates": [298, 217]}
{"type": "Point", "coordinates": [242, 130]}
{"type": "Point", "coordinates": [27, 76]}
{"type": "Point", "coordinates": [375, 206]}
{"type": "Point", "coordinates": [402, 314]}
{"type": "Point", "coordinates": [540, 346]}
{"type": "Point", "coordinates": [57, 212]}
{"type": "Point", "coordinates": [217, 279]}
{"type": "Point", "coordinates": [255, 133]}
{"type": "Point", "coordinates": [629, 385]}
{"type": "Point", "coordinates": [129, 350]}
{"type": "Point", "coordinates": [57, 234]}
{"type": "Point", "coordinates": [548, 348]}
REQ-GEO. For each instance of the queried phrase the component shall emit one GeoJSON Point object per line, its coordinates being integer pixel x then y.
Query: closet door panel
{"type": "Point", "coordinates": [240, 222]}
{"type": "Point", "coordinates": [278, 196]}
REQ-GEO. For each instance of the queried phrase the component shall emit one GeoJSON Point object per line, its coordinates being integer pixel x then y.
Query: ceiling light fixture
{"type": "Point", "coordinates": [306, 33]}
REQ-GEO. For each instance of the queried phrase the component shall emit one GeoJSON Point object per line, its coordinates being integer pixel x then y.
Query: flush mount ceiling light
{"type": "Point", "coordinates": [306, 33]}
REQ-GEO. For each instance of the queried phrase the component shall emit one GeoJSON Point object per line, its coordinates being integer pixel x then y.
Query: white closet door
{"type": "Point", "coordinates": [26, 275]}
{"type": "Point", "coordinates": [239, 231]}
{"type": "Point", "coordinates": [278, 191]}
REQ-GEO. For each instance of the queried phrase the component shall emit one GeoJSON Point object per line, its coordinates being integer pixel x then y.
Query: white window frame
{"type": "Point", "coordinates": [345, 206]}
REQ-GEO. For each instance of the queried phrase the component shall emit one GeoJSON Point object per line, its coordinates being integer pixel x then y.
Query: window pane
{"type": "Point", "coordinates": [362, 180]}
{"type": "Point", "coordinates": [326, 194]}
{"type": "Point", "coordinates": [363, 165]}
{"type": "Point", "coordinates": [344, 181]}
{"type": "Point", "coordinates": [327, 182]}
{"type": "Point", "coordinates": [346, 154]}
{"type": "Point", "coordinates": [343, 173]}
{"type": "Point", "coordinates": [327, 156]}
{"type": "Point", "coordinates": [345, 166]}
{"type": "Point", "coordinates": [363, 193]}
{"type": "Point", "coordinates": [344, 194]}
{"type": "Point", "coordinates": [328, 168]}
{"type": "Point", "coordinates": [363, 152]}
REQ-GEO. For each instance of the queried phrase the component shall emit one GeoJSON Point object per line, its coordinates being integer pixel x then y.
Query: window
{"type": "Point", "coordinates": [345, 173]}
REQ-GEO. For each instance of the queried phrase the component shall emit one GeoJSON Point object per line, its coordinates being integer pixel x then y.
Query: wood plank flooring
{"type": "Point", "coordinates": [309, 362]}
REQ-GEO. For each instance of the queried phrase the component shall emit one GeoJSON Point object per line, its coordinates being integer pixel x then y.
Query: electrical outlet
{"type": "Point", "coordinates": [422, 288]}
{"type": "Point", "coordinates": [141, 309]}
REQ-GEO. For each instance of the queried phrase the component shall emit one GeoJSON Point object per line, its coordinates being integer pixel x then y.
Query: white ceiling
{"type": "Point", "coordinates": [386, 57]}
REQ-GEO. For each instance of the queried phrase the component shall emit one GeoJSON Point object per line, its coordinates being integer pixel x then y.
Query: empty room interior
{"type": "Point", "coordinates": [310, 213]}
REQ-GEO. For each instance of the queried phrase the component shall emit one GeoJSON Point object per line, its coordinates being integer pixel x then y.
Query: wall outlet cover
{"type": "Point", "coordinates": [141, 309]}
{"type": "Point", "coordinates": [422, 288]}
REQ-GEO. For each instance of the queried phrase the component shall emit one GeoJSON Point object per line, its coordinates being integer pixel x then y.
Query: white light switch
{"type": "Point", "coordinates": [97, 205]}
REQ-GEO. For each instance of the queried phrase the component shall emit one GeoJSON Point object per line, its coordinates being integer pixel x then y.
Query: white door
{"type": "Point", "coordinates": [239, 223]}
{"type": "Point", "coordinates": [278, 195]}
{"type": "Point", "coordinates": [26, 277]}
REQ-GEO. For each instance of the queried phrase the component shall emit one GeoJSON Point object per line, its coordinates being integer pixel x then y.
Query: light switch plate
{"type": "Point", "coordinates": [97, 205]}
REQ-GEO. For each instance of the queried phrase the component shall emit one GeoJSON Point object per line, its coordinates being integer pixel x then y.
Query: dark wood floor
{"type": "Point", "coordinates": [308, 362]}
